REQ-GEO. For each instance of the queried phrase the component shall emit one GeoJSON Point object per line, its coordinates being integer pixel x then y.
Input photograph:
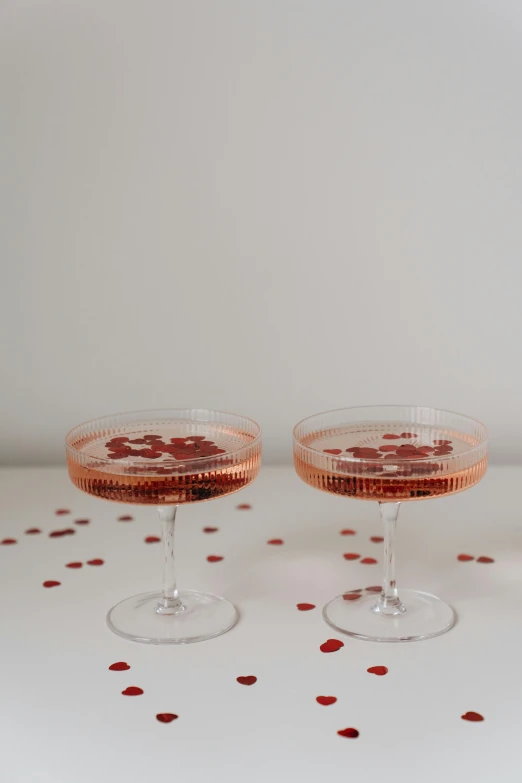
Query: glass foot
{"type": "Point", "coordinates": [203, 617]}
{"type": "Point", "coordinates": [425, 616]}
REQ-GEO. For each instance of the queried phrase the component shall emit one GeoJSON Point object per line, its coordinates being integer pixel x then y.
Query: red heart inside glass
{"type": "Point", "coordinates": [166, 458]}
{"type": "Point", "coordinates": [390, 454]}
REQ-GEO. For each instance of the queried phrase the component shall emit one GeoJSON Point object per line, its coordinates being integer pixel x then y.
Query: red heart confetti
{"type": "Point", "coordinates": [68, 531]}
{"type": "Point", "coordinates": [376, 539]}
{"type": "Point", "coordinates": [351, 556]}
{"type": "Point", "coordinates": [132, 691]}
{"type": "Point", "coordinates": [374, 589]}
{"type": "Point", "coordinates": [484, 559]}
{"type": "Point", "coordinates": [7, 541]}
{"type": "Point", "coordinates": [125, 518]}
{"type": "Point", "coordinates": [249, 680]}
{"type": "Point", "coordinates": [409, 435]}
{"type": "Point", "coordinates": [442, 442]}
{"type": "Point", "coordinates": [214, 558]}
{"type": "Point", "coordinates": [96, 562]}
{"type": "Point", "coordinates": [351, 596]}
{"type": "Point", "coordinates": [119, 666]}
{"type": "Point", "coordinates": [351, 733]}
{"type": "Point", "coordinates": [51, 583]}
{"type": "Point", "coordinates": [332, 451]}
{"type": "Point", "coordinates": [347, 532]}
{"type": "Point", "coordinates": [276, 541]}
{"type": "Point", "coordinates": [152, 539]}
{"type": "Point", "coordinates": [368, 561]}
{"type": "Point", "coordinates": [326, 700]}
{"type": "Point", "coordinates": [388, 448]}
{"type": "Point", "coordinates": [331, 645]}
{"type": "Point", "coordinates": [305, 607]}
{"type": "Point", "coordinates": [390, 436]}
{"type": "Point", "coordinates": [465, 558]}
{"type": "Point", "coordinates": [75, 564]}
{"type": "Point", "coordinates": [378, 670]}
{"type": "Point", "coordinates": [474, 717]}
{"type": "Point", "coordinates": [244, 507]}
{"type": "Point", "coordinates": [210, 529]}
{"type": "Point", "coordinates": [81, 521]}
{"type": "Point", "coordinates": [32, 531]}
{"type": "Point", "coordinates": [166, 717]}
{"type": "Point", "coordinates": [61, 511]}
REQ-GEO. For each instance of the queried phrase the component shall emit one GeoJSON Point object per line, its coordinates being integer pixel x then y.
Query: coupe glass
{"type": "Point", "coordinates": [390, 454]}
{"type": "Point", "coordinates": [166, 458]}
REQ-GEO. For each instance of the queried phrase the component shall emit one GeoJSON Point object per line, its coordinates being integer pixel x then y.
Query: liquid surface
{"type": "Point", "coordinates": [160, 462]}
{"type": "Point", "coordinates": [389, 461]}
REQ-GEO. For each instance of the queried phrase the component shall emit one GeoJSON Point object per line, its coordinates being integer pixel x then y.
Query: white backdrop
{"type": "Point", "coordinates": [273, 207]}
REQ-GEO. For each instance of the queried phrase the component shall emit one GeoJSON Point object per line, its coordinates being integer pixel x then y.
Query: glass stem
{"type": "Point", "coordinates": [389, 602]}
{"type": "Point", "coordinates": [169, 602]}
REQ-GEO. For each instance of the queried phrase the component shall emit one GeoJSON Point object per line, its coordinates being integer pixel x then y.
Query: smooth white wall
{"type": "Point", "coordinates": [274, 207]}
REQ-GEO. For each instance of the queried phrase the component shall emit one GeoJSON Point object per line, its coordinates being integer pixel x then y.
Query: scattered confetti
{"type": "Point", "coordinates": [331, 645]}
{"type": "Point", "coordinates": [125, 518]}
{"type": "Point", "coordinates": [351, 596]}
{"type": "Point", "coordinates": [348, 532]}
{"type": "Point", "coordinates": [474, 717]}
{"type": "Point", "coordinates": [61, 511]}
{"type": "Point", "coordinates": [351, 556]}
{"type": "Point", "coordinates": [214, 558]}
{"type": "Point", "coordinates": [96, 562]}
{"type": "Point", "coordinates": [332, 451]}
{"type": "Point", "coordinates": [249, 680]}
{"type": "Point", "coordinates": [484, 559]}
{"type": "Point", "coordinates": [82, 521]}
{"type": "Point", "coordinates": [132, 691]}
{"type": "Point", "coordinates": [152, 539]}
{"type": "Point", "coordinates": [368, 561]}
{"type": "Point", "coordinates": [378, 670]}
{"type": "Point", "coordinates": [351, 733]}
{"type": "Point", "coordinates": [210, 529]}
{"type": "Point", "coordinates": [276, 541]}
{"type": "Point", "coordinates": [305, 607]}
{"type": "Point", "coordinates": [376, 539]}
{"type": "Point", "coordinates": [75, 564]}
{"type": "Point", "coordinates": [32, 531]}
{"type": "Point", "coordinates": [166, 717]}
{"type": "Point", "coordinates": [7, 541]}
{"type": "Point", "coordinates": [51, 583]}
{"type": "Point", "coordinates": [119, 666]}
{"type": "Point", "coordinates": [326, 700]}
{"type": "Point", "coordinates": [244, 507]}
{"type": "Point", "coordinates": [465, 558]}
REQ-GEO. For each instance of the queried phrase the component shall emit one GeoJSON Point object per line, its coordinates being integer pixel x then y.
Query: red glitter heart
{"type": "Point", "coordinates": [132, 691]}
{"type": "Point", "coordinates": [214, 558]}
{"type": "Point", "coordinates": [61, 511]}
{"type": "Point", "coordinates": [152, 539]}
{"type": "Point", "coordinates": [96, 562]}
{"type": "Point", "coordinates": [210, 529]}
{"type": "Point", "coordinates": [305, 607]}
{"type": "Point", "coordinates": [244, 507]}
{"type": "Point", "coordinates": [484, 559]}
{"type": "Point", "coordinates": [472, 716]}
{"type": "Point", "coordinates": [326, 700]}
{"type": "Point", "coordinates": [125, 518]}
{"type": "Point", "coordinates": [332, 451]}
{"type": "Point", "coordinates": [75, 564]}
{"type": "Point", "coordinates": [331, 645]}
{"type": "Point", "coordinates": [249, 680]}
{"type": "Point", "coordinates": [51, 583]}
{"type": "Point", "coordinates": [119, 666]}
{"type": "Point", "coordinates": [32, 531]}
{"type": "Point", "coordinates": [465, 558]}
{"type": "Point", "coordinates": [351, 556]}
{"type": "Point", "coordinates": [81, 521]}
{"type": "Point", "coordinates": [347, 532]}
{"type": "Point", "coordinates": [166, 717]}
{"type": "Point", "coordinates": [378, 670]}
{"type": "Point", "coordinates": [275, 541]}
{"type": "Point", "coordinates": [7, 541]}
{"type": "Point", "coordinates": [376, 539]}
{"type": "Point", "coordinates": [351, 596]}
{"type": "Point", "coordinates": [390, 436]}
{"type": "Point", "coordinates": [368, 561]}
{"type": "Point", "coordinates": [351, 733]}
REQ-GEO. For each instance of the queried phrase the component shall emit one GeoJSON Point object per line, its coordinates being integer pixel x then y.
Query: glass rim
{"type": "Point", "coordinates": [401, 460]}
{"type": "Point", "coordinates": [191, 462]}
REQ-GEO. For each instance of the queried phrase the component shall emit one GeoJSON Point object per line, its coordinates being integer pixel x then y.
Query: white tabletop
{"type": "Point", "coordinates": [64, 719]}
